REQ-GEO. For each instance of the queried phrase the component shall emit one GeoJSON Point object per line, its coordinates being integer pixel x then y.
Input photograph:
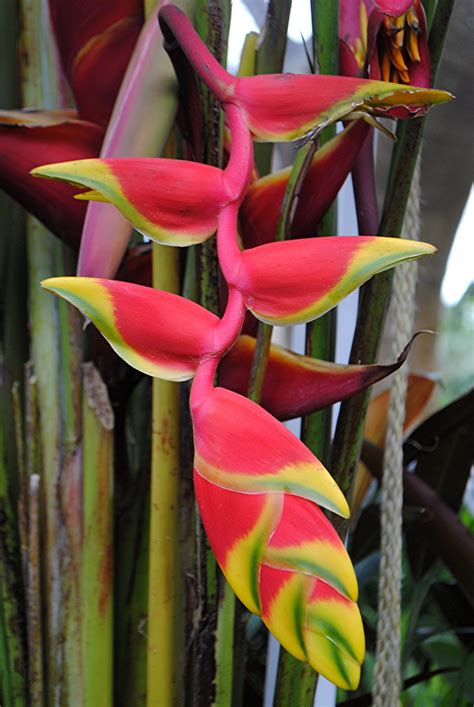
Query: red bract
{"type": "Point", "coordinates": [239, 446]}
{"type": "Point", "coordinates": [299, 385]}
{"type": "Point", "coordinates": [96, 41]}
{"type": "Point", "coordinates": [170, 201]}
{"type": "Point", "coordinates": [260, 210]}
{"type": "Point", "coordinates": [159, 333]}
{"type": "Point", "coordinates": [290, 282]}
{"type": "Point", "coordinates": [30, 138]}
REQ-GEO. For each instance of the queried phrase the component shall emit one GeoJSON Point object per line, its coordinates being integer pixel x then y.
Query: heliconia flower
{"type": "Point", "coordinates": [29, 138]}
{"type": "Point", "coordinates": [297, 385]}
{"type": "Point", "coordinates": [280, 554]}
{"type": "Point", "coordinates": [267, 102]}
{"type": "Point", "coordinates": [260, 210]}
{"type": "Point", "coordinates": [95, 41]}
{"type": "Point", "coordinates": [385, 40]}
{"type": "Point", "coordinates": [171, 201]}
{"type": "Point", "coordinates": [159, 333]}
{"type": "Point", "coordinates": [291, 282]}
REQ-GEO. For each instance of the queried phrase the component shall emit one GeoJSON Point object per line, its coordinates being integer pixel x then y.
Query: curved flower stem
{"type": "Point", "coordinates": [177, 28]}
{"type": "Point", "coordinates": [374, 295]}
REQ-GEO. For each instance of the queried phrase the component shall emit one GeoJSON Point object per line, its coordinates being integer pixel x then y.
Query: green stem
{"type": "Point", "coordinates": [97, 545]}
{"type": "Point", "coordinates": [374, 295]}
{"type": "Point", "coordinates": [163, 678]}
{"type": "Point", "coordinates": [54, 352]}
{"type": "Point", "coordinates": [36, 687]}
{"type": "Point", "coordinates": [269, 59]}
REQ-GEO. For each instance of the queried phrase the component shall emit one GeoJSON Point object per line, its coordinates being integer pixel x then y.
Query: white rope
{"type": "Point", "coordinates": [387, 677]}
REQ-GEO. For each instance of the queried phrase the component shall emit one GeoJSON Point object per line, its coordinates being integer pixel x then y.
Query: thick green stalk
{"type": "Point", "coordinates": [36, 687]}
{"type": "Point", "coordinates": [164, 629]}
{"type": "Point", "coordinates": [321, 334]}
{"type": "Point", "coordinates": [54, 353]}
{"type": "Point", "coordinates": [97, 543]}
{"type": "Point", "coordinates": [13, 353]}
{"type": "Point", "coordinates": [269, 59]}
{"type": "Point", "coordinates": [374, 295]}
{"type": "Point", "coordinates": [164, 681]}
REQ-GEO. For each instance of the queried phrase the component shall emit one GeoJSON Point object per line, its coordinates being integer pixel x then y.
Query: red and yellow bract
{"type": "Point", "coordinates": [281, 285]}
{"type": "Point", "coordinates": [161, 334]}
{"type": "Point", "coordinates": [191, 195]}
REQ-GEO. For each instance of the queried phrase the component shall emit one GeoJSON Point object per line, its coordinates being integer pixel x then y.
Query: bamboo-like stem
{"type": "Point", "coordinates": [36, 686]}
{"type": "Point", "coordinates": [55, 363]}
{"type": "Point", "coordinates": [269, 59]}
{"type": "Point", "coordinates": [374, 295]}
{"type": "Point", "coordinates": [164, 640]}
{"type": "Point", "coordinates": [23, 481]}
{"type": "Point", "coordinates": [13, 347]}
{"type": "Point", "coordinates": [164, 681]}
{"type": "Point", "coordinates": [97, 544]}
{"type": "Point", "coordinates": [321, 334]}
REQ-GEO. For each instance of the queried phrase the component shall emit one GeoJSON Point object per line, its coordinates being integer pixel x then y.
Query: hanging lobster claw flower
{"type": "Point", "coordinates": [298, 385]}
{"type": "Point", "coordinates": [28, 138]}
{"type": "Point", "coordinates": [291, 282]}
{"type": "Point", "coordinates": [385, 39]}
{"type": "Point", "coordinates": [280, 554]}
{"type": "Point", "coordinates": [95, 41]}
{"type": "Point", "coordinates": [260, 210]}
{"type": "Point", "coordinates": [161, 334]}
{"type": "Point", "coordinates": [174, 202]}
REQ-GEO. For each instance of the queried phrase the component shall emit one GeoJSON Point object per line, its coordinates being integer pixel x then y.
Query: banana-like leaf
{"type": "Point", "coordinates": [28, 139]}
{"type": "Point", "coordinates": [95, 42]}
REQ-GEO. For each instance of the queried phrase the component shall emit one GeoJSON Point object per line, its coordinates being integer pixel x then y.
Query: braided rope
{"type": "Point", "coordinates": [387, 677]}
